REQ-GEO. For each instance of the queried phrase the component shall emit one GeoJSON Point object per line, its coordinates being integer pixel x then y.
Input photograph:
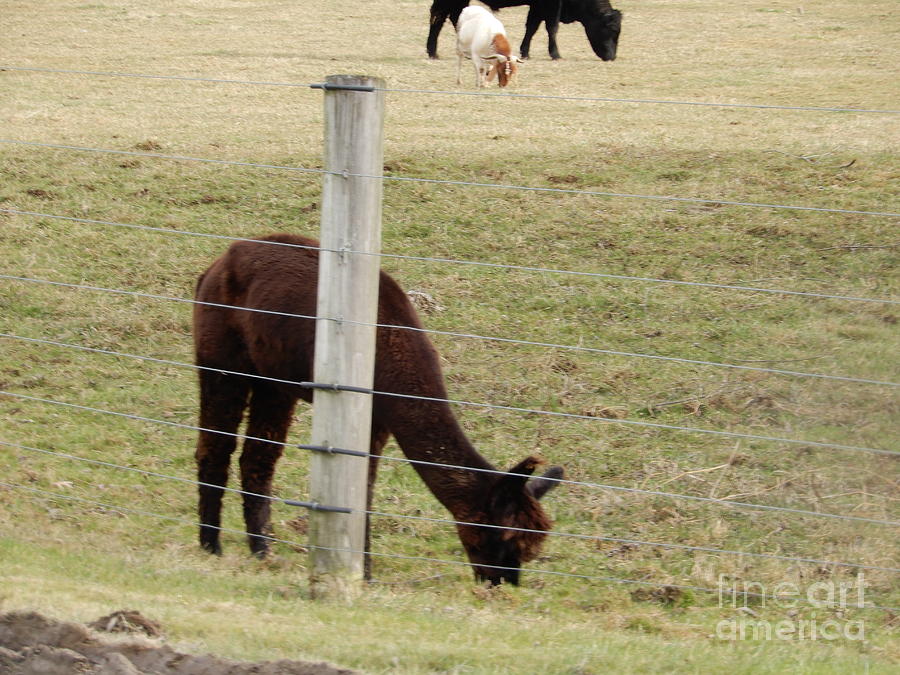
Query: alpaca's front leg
{"type": "Point", "coordinates": [378, 438]}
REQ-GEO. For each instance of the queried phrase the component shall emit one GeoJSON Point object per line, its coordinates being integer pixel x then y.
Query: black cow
{"type": "Point", "coordinates": [601, 22]}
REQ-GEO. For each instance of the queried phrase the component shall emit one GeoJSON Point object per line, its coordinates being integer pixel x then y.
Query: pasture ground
{"type": "Point", "coordinates": [76, 560]}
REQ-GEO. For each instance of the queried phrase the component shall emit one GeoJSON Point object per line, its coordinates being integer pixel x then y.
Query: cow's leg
{"type": "Point", "coordinates": [379, 438]}
{"type": "Point", "coordinates": [270, 416]}
{"type": "Point", "coordinates": [222, 401]}
{"type": "Point", "coordinates": [532, 22]}
{"type": "Point", "coordinates": [437, 22]}
{"type": "Point", "coordinates": [552, 28]}
{"type": "Point", "coordinates": [439, 14]}
{"type": "Point", "coordinates": [455, 11]}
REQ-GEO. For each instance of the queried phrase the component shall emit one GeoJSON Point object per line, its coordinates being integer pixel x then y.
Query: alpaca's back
{"type": "Point", "coordinates": [283, 280]}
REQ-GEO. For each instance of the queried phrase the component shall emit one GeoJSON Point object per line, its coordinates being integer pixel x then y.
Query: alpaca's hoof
{"type": "Point", "coordinates": [259, 547]}
{"type": "Point", "coordinates": [213, 547]}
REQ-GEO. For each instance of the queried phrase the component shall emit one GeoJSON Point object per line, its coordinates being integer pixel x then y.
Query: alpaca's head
{"type": "Point", "coordinates": [511, 501]}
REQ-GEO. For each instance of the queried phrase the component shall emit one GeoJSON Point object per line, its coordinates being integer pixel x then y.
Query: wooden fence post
{"type": "Point", "coordinates": [345, 349]}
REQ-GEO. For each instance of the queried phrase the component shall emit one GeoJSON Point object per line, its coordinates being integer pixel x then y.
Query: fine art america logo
{"type": "Point", "coordinates": [821, 595]}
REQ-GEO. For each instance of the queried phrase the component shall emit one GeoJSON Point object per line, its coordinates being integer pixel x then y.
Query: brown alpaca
{"type": "Point", "coordinates": [284, 279]}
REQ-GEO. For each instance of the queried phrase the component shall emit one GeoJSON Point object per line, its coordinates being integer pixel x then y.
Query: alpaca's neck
{"type": "Point", "coordinates": [428, 432]}
{"type": "Point", "coordinates": [425, 427]}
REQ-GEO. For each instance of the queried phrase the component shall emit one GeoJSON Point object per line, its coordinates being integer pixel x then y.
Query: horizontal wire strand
{"type": "Point", "coordinates": [652, 101]}
{"type": "Point", "coordinates": [475, 263]}
{"type": "Point", "coordinates": [313, 506]}
{"type": "Point", "coordinates": [457, 563]}
{"type": "Point", "coordinates": [418, 462]}
{"type": "Point", "coordinates": [625, 195]}
{"type": "Point", "coordinates": [554, 533]}
{"type": "Point", "coordinates": [472, 336]}
{"type": "Point", "coordinates": [651, 425]}
{"type": "Point", "coordinates": [157, 155]}
{"type": "Point", "coordinates": [492, 406]}
{"type": "Point", "coordinates": [638, 542]}
{"type": "Point", "coordinates": [579, 99]}
{"type": "Point", "coordinates": [175, 78]}
{"type": "Point", "coordinates": [439, 181]}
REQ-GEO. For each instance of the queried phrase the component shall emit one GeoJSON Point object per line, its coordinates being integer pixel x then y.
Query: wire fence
{"type": "Point", "coordinates": [405, 516]}
{"type": "Point", "coordinates": [472, 336]}
{"type": "Point", "coordinates": [458, 183]}
{"type": "Point", "coordinates": [442, 561]}
{"type": "Point", "coordinates": [340, 387]}
{"type": "Point", "coordinates": [455, 563]}
{"type": "Point", "coordinates": [470, 263]}
{"type": "Point", "coordinates": [455, 467]}
{"type": "Point", "coordinates": [521, 268]}
{"type": "Point", "coordinates": [579, 99]}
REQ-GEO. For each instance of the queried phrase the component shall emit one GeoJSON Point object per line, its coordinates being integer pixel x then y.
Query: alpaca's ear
{"type": "Point", "coordinates": [527, 465]}
{"type": "Point", "coordinates": [515, 480]}
{"type": "Point", "coordinates": [540, 486]}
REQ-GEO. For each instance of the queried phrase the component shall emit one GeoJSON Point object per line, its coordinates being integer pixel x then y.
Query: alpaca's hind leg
{"type": "Point", "coordinates": [270, 416]}
{"type": "Point", "coordinates": [222, 401]}
{"type": "Point", "coordinates": [379, 438]}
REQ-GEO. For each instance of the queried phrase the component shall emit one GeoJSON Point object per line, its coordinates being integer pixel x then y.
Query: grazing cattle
{"type": "Point", "coordinates": [482, 38]}
{"type": "Point", "coordinates": [275, 275]}
{"type": "Point", "coordinates": [602, 24]}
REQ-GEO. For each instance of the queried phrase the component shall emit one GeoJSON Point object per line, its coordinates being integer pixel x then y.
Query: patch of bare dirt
{"type": "Point", "coordinates": [31, 644]}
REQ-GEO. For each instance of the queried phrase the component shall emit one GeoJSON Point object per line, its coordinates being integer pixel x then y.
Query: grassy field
{"type": "Point", "coordinates": [80, 559]}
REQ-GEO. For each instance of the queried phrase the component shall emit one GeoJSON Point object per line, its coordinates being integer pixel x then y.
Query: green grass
{"type": "Point", "coordinates": [221, 605]}
{"type": "Point", "coordinates": [78, 561]}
